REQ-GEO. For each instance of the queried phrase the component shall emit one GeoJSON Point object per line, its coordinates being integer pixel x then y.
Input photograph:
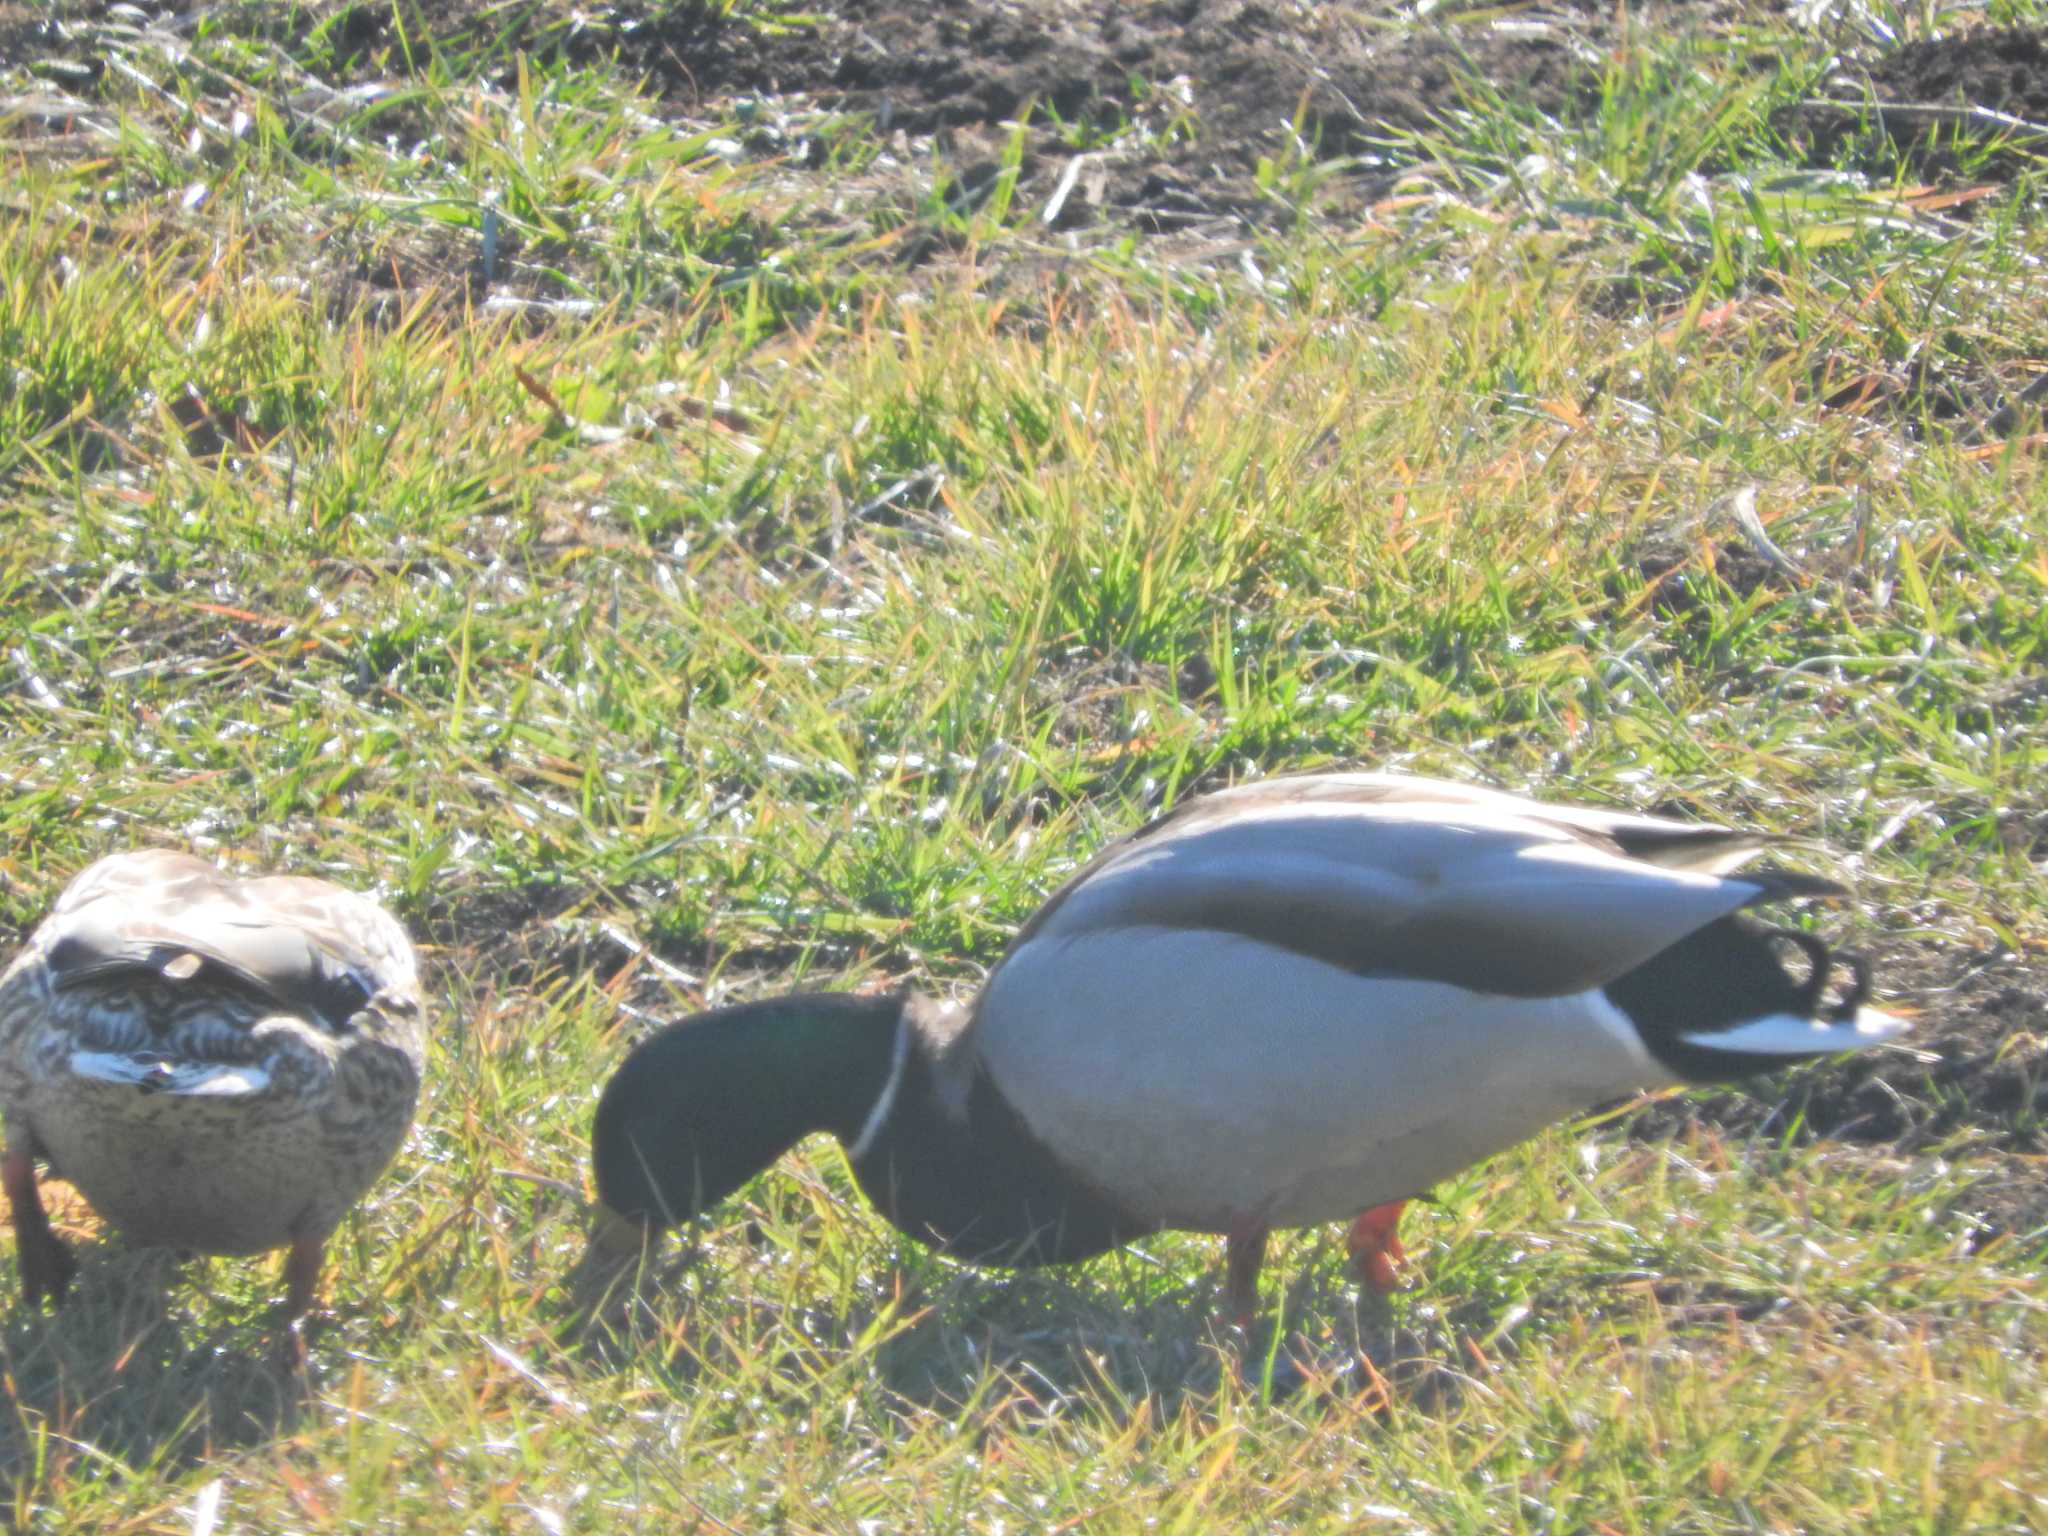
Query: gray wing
{"type": "Point", "coordinates": [1386, 875]}
{"type": "Point", "coordinates": [312, 947]}
{"type": "Point", "coordinates": [1408, 797]}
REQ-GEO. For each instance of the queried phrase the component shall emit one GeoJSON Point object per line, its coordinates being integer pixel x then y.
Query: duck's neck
{"type": "Point", "coordinates": [949, 1160]}
{"type": "Point", "coordinates": [698, 1109]}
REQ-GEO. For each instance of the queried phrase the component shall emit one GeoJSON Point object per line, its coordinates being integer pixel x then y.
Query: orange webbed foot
{"type": "Point", "coordinates": [1245, 1246]}
{"type": "Point", "coordinates": [46, 1263]}
{"type": "Point", "coordinates": [1374, 1243]}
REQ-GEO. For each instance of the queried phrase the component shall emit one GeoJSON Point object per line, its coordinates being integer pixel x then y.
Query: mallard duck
{"type": "Point", "coordinates": [217, 1064]}
{"type": "Point", "coordinates": [1301, 1000]}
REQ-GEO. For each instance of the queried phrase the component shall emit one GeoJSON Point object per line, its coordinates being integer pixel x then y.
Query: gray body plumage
{"type": "Point", "coordinates": [1357, 984]}
{"type": "Point", "coordinates": [217, 1064]}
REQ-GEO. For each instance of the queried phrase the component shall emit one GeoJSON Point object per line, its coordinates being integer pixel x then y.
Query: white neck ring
{"type": "Point", "coordinates": [885, 1101]}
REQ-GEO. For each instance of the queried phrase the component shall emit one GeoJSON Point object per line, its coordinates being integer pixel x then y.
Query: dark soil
{"type": "Point", "coordinates": [1220, 85]}
{"type": "Point", "coordinates": [1918, 100]}
{"type": "Point", "coordinates": [1235, 74]}
{"type": "Point", "coordinates": [2005, 70]}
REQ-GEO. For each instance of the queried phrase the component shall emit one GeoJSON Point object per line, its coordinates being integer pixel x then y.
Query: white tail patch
{"type": "Point", "coordinates": [1794, 1034]}
{"type": "Point", "coordinates": [186, 1079]}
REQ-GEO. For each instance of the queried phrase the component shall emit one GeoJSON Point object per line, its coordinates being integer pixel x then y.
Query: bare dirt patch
{"type": "Point", "coordinates": [1235, 72]}
{"type": "Point", "coordinates": [2003, 70]}
{"type": "Point", "coordinates": [1170, 108]}
{"type": "Point", "coordinates": [1174, 105]}
{"type": "Point", "coordinates": [1990, 84]}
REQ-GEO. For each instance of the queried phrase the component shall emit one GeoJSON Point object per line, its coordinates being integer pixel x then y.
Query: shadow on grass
{"type": "Point", "coordinates": [935, 1335]}
{"type": "Point", "coordinates": [116, 1381]}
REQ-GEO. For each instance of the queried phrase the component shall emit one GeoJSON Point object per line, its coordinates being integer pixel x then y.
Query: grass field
{"type": "Point", "coordinates": [674, 570]}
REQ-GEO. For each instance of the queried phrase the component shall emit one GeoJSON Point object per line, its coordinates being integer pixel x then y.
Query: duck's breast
{"type": "Point", "coordinates": [1209, 1079]}
{"type": "Point", "coordinates": [218, 1173]}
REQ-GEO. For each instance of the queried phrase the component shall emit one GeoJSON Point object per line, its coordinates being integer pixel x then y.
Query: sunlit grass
{"type": "Point", "coordinates": [491, 493]}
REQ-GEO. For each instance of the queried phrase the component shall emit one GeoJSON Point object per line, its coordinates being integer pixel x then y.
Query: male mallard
{"type": "Point", "coordinates": [217, 1064]}
{"type": "Point", "coordinates": [1301, 1000]}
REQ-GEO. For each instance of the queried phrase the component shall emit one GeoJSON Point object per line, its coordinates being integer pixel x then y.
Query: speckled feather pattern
{"type": "Point", "coordinates": [156, 965]}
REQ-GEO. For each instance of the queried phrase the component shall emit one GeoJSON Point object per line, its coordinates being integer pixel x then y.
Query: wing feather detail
{"type": "Point", "coordinates": [311, 947]}
{"type": "Point", "coordinates": [1383, 875]}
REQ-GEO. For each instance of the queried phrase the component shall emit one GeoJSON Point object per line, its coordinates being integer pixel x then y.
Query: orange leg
{"type": "Point", "coordinates": [46, 1264]}
{"type": "Point", "coordinates": [302, 1276]}
{"type": "Point", "coordinates": [1245, 1250]}
{"type": "Point", "coordinates": [302, 1285]}
{"type": "Point", "coordinates": [1374, 1243]}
